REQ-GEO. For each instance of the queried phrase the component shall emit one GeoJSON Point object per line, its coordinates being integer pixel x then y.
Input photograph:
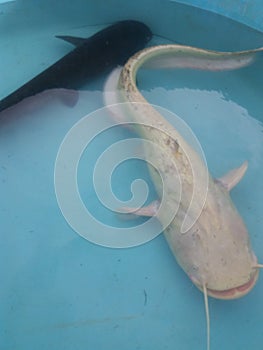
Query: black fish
{"type": "Point", "coordinates": [98, 54]}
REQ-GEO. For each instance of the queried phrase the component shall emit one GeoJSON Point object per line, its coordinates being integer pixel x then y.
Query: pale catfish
{"type": "Point", "coordinates": [214, 248]}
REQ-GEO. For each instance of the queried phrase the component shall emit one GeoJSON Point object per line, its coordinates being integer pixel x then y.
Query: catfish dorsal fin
{"type": "Point", "coordinates": [232, 178]}
{"type": "Point", "coordinates": [74, 40]}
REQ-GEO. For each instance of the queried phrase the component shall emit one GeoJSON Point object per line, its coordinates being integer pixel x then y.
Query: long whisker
{"type": "Point", "coordinates": [207, 316]}
{"type": "Point", "coordinates": [260, 266]}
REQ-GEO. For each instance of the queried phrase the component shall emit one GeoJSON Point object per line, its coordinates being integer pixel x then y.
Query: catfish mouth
{"type": "Point", "coordinates": [233, 293]}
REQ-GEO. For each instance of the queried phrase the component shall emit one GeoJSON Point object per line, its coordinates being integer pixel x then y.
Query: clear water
{"type": "Point", "coordinates": [61, 291]}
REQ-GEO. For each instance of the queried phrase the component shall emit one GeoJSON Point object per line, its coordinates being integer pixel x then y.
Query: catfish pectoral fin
{"type": "Point", "coordinates": [68, 97]}
{"type": "Point", "coordinates": [150, 210]}
{"type": "Point", "coordinates": [74, 40]}
{"type": "Point", "coordinates": [232, 178]}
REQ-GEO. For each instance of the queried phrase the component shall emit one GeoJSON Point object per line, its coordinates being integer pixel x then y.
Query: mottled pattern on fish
{"type": "Point", "coordinates": [215, 252]}
{"type": "Point", "coordinates": [214, 249]}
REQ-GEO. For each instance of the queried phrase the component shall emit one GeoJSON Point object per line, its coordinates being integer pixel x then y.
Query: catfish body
{"type": "Point", "coordinates": [214, 250]}
{"type": "Point", "coordinates": [106, 49]}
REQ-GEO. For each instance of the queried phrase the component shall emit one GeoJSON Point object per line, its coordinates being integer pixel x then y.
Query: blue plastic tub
{"type": "Point", "coordinates": [60, 291]}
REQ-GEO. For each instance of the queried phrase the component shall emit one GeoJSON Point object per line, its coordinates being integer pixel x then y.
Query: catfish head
{"type": "Point", "coordinates": [216, 253]}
